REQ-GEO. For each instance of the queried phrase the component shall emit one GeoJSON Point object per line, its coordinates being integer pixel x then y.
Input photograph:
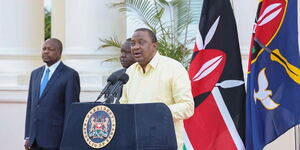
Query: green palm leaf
{"type": "Point", "coordinates": [111, 42]}
{"type": "Point", "coordinates": [169, 20]}
{"type": "Point", "coordinates": [142, 11]}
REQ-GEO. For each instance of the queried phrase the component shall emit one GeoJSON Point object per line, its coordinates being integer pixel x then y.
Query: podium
{"type": "Point", "coordinates": [131, 127]}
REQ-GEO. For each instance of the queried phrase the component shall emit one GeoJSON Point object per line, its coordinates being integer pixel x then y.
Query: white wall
{"type": "Point", "coordinates": [12, 126]}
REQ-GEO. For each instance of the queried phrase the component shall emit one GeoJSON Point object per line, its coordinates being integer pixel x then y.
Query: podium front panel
{"type": "Point", "coordinates": [137, 127]}
{"type": "Point", "coordinates": [125, 124]}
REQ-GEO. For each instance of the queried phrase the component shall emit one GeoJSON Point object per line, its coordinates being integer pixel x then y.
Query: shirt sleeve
{"type": "Point", "coordinates": [183, 106]}
{"type": "Point", "coordinates": [72, 92]}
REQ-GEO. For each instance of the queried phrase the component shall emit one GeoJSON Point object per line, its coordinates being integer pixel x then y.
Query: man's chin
{"type": "Point", "coordinates": [49, 63]}
{"type": "Point", "coordinates": [124, 65]}
{"type": "Point", "coordinates": [46, 60]}
{"type": "Point", "coordinates": [139, 60]}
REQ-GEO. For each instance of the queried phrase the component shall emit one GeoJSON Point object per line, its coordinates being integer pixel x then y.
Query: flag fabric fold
{"type": "Point", "coordinates": [217, 82]}
{"type": "Point", "coordinates": [272, 105]}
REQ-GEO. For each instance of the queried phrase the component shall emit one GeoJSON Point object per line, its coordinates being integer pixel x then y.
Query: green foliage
{"type": "Point", "coordinates": [176, 51]}
{"type": "Point", "coordinates": [47, 26]}
{"type": "Point", "coordinates": [112, 41]}
{"type": "Point", "coordinates": [169, 20]}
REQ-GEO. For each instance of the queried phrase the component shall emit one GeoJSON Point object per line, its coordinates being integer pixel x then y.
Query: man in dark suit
{"type": "Point", "coordinates": [52, 90]}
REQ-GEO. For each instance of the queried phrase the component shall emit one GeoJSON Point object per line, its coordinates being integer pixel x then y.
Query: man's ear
{"type": "Point", "coordinates": [155, 44]}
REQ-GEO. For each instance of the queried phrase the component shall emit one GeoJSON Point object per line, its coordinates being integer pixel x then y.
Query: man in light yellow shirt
{"type": "Point", "coordinates": [156, 78]}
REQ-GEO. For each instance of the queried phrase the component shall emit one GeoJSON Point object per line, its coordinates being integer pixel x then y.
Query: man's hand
{"type": "Point", "coordinates": [26, 144]}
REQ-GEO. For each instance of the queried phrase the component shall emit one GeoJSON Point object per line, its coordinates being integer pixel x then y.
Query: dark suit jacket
{"type": "Point", "coordinates": [45, 115]}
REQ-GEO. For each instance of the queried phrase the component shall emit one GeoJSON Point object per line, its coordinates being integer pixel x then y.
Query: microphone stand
{"type": "Point", "coordinates": [100, 101]}
{"type": "Point", "coordinates": [118, 95]}
{"type": "Point", "coordinates": [109, 100]}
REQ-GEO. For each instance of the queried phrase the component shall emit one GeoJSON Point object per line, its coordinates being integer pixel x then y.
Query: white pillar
{"type": "Point", "coordinates": [58, 19]}
{"type": "Point", "coordinates": [21, 38]}
{"type": "Point", "coordinates": [86, 22]}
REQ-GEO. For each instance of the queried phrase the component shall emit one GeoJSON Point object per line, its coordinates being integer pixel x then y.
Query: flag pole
{"type": "Point", "coordinates": [297, 127]}
{"type": "Point", "coordinates": [297, 138]}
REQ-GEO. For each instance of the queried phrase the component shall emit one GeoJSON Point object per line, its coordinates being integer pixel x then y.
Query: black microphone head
{"type": "Point", "coordinates": [113, 78]}
{"type": "Point", "coordinates": [124, 78]}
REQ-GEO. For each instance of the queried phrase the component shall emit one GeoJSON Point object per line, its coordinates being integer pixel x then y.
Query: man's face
{"type": "Point", "coordinates": [51, 52]}
{"type": "Point", "coordinates": [126, 57]}
{"type": "Point", "coordinates": [142, 47]}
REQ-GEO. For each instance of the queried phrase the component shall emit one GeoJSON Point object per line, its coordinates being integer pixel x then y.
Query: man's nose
{"type": "Point", "coordinates": [123, 55]}
{"type": "Point", "coordinates": [136, 46]}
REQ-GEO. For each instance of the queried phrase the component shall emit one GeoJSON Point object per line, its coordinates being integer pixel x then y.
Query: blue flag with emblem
{"type": "Point", "coordinates": [273, 89]}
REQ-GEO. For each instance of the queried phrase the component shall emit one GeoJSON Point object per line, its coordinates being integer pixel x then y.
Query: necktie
{"type": "Point", "coordinates": [44, 82]}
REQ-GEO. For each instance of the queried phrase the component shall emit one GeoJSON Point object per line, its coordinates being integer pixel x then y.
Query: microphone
{"type": "Point", "coordinates": [110, 81]}
{"type": "Point", "coordinates": [116, 87]}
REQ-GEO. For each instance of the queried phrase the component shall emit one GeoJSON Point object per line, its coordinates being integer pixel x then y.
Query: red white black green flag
{"type": "Point", "coordinates": [217, 82]}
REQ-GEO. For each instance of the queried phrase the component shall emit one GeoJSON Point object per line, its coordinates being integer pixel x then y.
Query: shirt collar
{"type": "Point", "coordinates": [53, 67]}
{"type": "Point", "coordinates": [153, 63]}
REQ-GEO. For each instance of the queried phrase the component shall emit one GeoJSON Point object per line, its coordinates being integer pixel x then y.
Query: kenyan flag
{"type": "Point", "coordinates": [217, 81]}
